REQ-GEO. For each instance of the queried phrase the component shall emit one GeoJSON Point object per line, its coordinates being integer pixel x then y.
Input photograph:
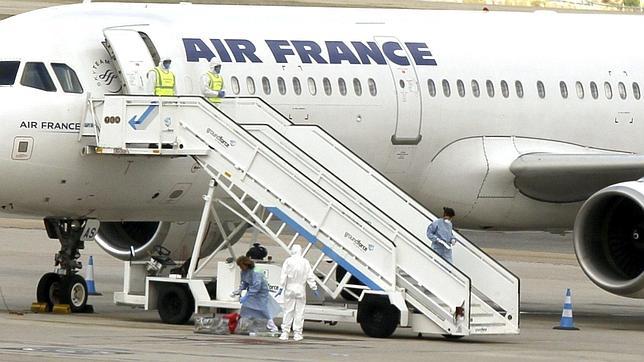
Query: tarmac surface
{"type": "Point", "coordinates": [612, 328]}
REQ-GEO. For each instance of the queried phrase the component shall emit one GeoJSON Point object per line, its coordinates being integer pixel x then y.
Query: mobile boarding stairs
{"type": "Point", "coordinates": [301, 179]}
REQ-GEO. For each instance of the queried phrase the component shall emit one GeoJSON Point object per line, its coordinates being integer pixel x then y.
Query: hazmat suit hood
{"type": "Point", "coordinates": [296, 251]}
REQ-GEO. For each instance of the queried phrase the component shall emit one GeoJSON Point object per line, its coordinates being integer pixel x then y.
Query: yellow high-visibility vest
{"type": "Point", "coordinates": [165, 82]}
{"type": "Point", "coordinates": [216, 84]}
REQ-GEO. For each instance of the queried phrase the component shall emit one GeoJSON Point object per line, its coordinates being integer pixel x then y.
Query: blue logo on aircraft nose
{"type": "Point", "coordinates": [148, 115]}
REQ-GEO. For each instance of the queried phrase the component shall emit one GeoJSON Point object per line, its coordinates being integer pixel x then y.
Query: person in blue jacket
{"type": "Point", "coordinates": [441, 235]}
{"type": "Point", "coordinates": [257, 302]}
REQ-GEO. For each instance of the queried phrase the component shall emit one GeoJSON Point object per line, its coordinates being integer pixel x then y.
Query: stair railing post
{"type": "Point", "coordinates": [203, 225]}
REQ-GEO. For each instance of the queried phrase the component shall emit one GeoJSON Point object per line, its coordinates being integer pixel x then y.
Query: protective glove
{"type": "Point", "coordinates": [222, 94]}
{"type": "Point", "coordinates": [243, 299]}
{"type": "Point", "coordinates": [317, 293]}
{"type": "Point", "coordinates": [279, 292]}
{"type": "Point", "coordinates": [235, 293]}
{"type": "Point", "coordinates": [453, 242]}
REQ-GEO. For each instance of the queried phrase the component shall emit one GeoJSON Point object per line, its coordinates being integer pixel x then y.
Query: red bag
{"type": "Point", "coordinates": [233, 320]}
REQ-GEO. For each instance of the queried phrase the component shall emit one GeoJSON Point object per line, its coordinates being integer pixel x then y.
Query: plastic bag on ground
{"type": "Point", "coordinates": [218, 324]}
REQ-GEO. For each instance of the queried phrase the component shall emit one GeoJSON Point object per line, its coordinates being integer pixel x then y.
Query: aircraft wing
{"type": "Point", "coordinates": [573, 177]}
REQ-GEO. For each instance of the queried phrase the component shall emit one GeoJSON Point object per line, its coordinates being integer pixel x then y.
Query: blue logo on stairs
{"type": "Point", "coordinates": [148, 115]}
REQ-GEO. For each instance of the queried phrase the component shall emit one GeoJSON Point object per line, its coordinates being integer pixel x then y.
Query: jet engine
{"type": "Point", "coordinates": [609, 238]}
{"type": "Point", "coordinates": [132, 240]}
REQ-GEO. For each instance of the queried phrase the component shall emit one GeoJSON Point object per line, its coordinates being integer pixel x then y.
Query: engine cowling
{"type": "Point", "coordinates": [118, 238]}
{"type": "Point", "coordinates": [609, 238]}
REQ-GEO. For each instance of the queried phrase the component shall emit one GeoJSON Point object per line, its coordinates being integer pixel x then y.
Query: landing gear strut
{"type": "Point", "coordinates": [65, 286]}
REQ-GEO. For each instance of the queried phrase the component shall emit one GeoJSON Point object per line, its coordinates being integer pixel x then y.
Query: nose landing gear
{"type": "Point", "coordinates": [65, 286]}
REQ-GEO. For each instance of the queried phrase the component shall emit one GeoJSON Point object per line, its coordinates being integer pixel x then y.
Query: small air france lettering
{"type": "Point", "coordinates": [51, 126]}
{"type": "Point", "coordinates": [309, 52]}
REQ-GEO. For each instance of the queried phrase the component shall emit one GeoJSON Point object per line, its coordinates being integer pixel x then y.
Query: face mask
{"type": "Point", "coordinates": [448, 221]}
{"type": "Point", "coordinates": [166, 65]}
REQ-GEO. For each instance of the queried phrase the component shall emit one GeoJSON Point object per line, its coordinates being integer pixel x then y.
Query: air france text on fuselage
{"type": "Point", "coordinates": [310, 52]}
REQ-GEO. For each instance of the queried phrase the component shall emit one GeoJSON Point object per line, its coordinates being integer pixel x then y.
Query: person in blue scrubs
{"type": "Point", "coordinates": [257, 302]}
{"type": "Point", "coordinates": [441, 234]}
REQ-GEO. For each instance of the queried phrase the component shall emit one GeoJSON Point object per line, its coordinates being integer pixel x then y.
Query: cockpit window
{"type": "Point", "coordinates": [67, 78]}
{"type": "Point", "coordinates": [36, 76]}
{"type": "Point", "coordinates": [8, 72]}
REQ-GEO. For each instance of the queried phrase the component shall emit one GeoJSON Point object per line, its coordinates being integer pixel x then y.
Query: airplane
{"type": "Point", "coordinates": [517, 120]}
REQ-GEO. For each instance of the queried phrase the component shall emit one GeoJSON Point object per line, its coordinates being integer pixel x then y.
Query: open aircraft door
{"type": "Point", "coordinates": [409, 107]}
{"type": "Point", "coordinates": [132, 57]}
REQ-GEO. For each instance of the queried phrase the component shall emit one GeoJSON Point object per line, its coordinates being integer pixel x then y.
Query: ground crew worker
{"type": "Point", "coordinates": [440, 233]}
{"type": "Point", "coordinates": [212, 83]}
{"type": "Point", "coordinates": [296, 271]}
{"type": "Point", "coordinates": [161, 79]}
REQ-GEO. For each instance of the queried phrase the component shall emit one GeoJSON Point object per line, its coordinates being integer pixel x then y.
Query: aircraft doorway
{"type": "Point", "coordinates": [133, 54]}
{"type": "Point", "coordinates": [408, 99]}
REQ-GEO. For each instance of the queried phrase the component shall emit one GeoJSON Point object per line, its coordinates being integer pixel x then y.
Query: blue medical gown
{"type": "Point", "coordinates": [259, 304]}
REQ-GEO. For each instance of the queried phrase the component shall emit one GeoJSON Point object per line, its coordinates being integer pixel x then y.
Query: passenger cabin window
{"type": "Point", "coordinates": [326, 83]}
{"type": "Point", "coordinates": [281, 85]}
{"type": "Point", "coordinates": [446, 89]}
{"type": "Point", "coordinates": [36, 76]}
{"type": "Point", "coordinates": [250, 84]}
{"type": "Point", "coordinates": [564, 89]}
{"type": "Point", "coordinates": [357, 86]}
{"type": "Point", "coordinates": [636, 91]}
{"type": "Point", "coordinates": [541, 90]}
{"type": "Point", "coordinates": [461, 88]}
{"type": "Point", "coordinates": [608, 90]}
{"type": "Point", "coordinates": [476, 90]}
{"type": "Point", "coordinates": [490, 88]}
{"type": "Point", "coordinates": [622, 90]}
{"type": "Point", "coordinates": [519, 88]}
{"type": "Point", "coordinates": [505, 90]}
{"type": "Point", "coordinates": [373, 90]}
{"type": "Point", "coordinates": [342, 86]}
{"type": "Point", "coordinates": [266, 84]}
{"type": "Point", "coordinates": [297, 86]}
{"type": "Point", "coordinates": [312, 87]}
{"type": "Point", "coordinates": [593, 90]}
{"type": "Point", "coordinates": [235, 85]}
{"type": "Point", "coordinates": [8, 72]}
{"type": "Point", "coordinates": [431, 87]}
{"type": "Point", "coordinates": [580, 90]}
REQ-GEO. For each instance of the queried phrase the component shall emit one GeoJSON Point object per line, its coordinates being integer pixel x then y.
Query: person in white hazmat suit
{"type": "Point", "coordinates": [296, 272]}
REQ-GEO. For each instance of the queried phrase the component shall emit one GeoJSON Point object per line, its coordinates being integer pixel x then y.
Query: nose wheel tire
{"type": "Point", "coordinates": [74, 292]}
{"type": "Point", "coordinates": [48, 290]}
{"type": "Point", "coordinates": [63, 289]}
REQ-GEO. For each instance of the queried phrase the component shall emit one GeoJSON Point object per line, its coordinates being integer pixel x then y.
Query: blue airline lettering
{"type": "Point", "coordinates": [390, 48]}
{"type": "Point", "coordinates": [280, 49]}
{"type": "Point", "coordinates": [339, 51]}
{"type": "Point", "coordinates": [369, 51]}
{"type": "Point", "coordinates": [308, 51]}
{"type": "Point", "coordinates": [421, 54]}
{"type": "Point", "coordinates": [196, 49]}
{"type": "Point", "coordinates": [243, 49]}
{"type": "Point", "coordinates": [221, 50]}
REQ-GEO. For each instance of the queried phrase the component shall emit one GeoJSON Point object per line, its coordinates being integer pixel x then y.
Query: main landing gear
{"type": "Point", "coordinates": [65, 286]}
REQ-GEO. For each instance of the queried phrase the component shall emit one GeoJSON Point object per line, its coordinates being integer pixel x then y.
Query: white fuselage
{"type": "Point", "coordinates": [467, 142]}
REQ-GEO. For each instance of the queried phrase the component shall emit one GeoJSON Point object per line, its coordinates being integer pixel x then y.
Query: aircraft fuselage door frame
{"type": "Point", "coordinates": [408, 99]}
{"type": "Point", "coordinates": [131, 57]}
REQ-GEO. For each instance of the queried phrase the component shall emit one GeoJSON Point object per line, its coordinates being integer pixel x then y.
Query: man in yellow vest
{"type": "Point", "coordinates": [161, 79]}
{"type": "Point", "coordinates": [212, 83]}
